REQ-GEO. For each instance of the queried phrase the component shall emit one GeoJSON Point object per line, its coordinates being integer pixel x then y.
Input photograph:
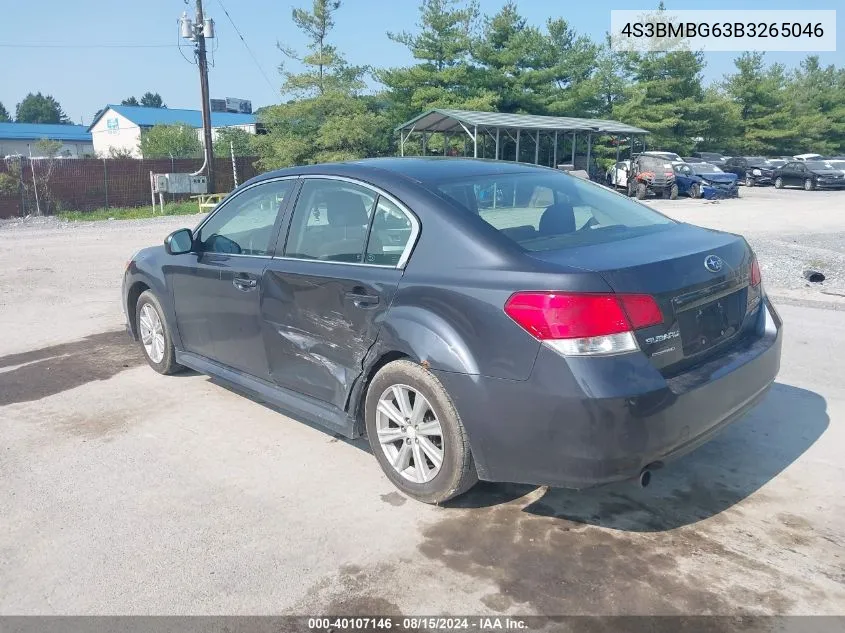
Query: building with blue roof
{"type": "Point", "coordinates": [21, 139]}
{"type": "Point", "coordinates": [117, 128]}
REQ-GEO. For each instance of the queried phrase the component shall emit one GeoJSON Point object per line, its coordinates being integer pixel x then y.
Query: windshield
{"type": "Point", "coordinates": [756, 160]}
{"type": "Point", "coordinates": [667, 155]}
{"type": "Point", "coordinates": [777, 162]}
{"type": "Point", "coordinates": [655, 164]}
{"type": "Point", "coordinates": [707, 168]}
{"type": "Point", "coordinates": [837, 164]}
{"type": "Point", "coordinates": [548, 210]}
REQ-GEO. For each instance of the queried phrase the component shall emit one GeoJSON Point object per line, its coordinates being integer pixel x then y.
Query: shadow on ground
{"type": "Point", "coordinates": [716, 476]}
{"type": "Point", "coordinates": [50, 370]}
{"type": "Point", "coordinates": [622, 549]}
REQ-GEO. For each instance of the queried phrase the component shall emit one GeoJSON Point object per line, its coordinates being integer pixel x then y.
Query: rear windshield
{"type": "Point", "coordinates": [549, 210]}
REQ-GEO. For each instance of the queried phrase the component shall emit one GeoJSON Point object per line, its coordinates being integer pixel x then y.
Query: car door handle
{"type": "Point", "coordinates": [242, 283]}
{"type": "Point", "coordinates": [362, 299]}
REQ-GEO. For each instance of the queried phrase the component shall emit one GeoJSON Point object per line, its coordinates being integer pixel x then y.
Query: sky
{"type": "Point", "coordinates": [88, 53]}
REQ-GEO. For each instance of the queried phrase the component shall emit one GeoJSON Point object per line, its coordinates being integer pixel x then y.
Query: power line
{"type": "Point", "coordinates": [86, 45]}
{"type": "Point", "coordinates": [249, 50]}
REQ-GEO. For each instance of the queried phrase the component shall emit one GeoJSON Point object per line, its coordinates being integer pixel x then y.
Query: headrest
{"type": "Point", "coordinates": [557, 219]}
{"type": "Point", "coordinates": [344, 208]}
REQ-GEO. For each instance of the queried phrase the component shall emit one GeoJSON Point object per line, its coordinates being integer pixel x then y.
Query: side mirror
{"type": "Point", "coordinates": [179, 242]}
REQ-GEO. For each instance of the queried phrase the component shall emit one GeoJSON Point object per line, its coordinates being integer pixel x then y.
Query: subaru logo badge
{"type": "Point", "coordinates": [713, 263]}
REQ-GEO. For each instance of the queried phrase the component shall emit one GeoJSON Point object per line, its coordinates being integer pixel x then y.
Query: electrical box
{"type": "Point", "coordinates": [179, 183]}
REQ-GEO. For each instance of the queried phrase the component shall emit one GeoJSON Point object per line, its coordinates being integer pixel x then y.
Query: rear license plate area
{"type": "Point", "coordinates": [707, 325]}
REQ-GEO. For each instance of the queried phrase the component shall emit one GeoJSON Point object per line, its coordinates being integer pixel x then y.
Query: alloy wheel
{"type": "Point", "coordinates": [152, 332]}
{"type": "Point", "coordinates": [409, 433]}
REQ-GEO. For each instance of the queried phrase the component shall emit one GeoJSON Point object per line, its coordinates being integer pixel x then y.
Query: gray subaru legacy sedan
{"type": "Point", "coordinates": [474, 319]}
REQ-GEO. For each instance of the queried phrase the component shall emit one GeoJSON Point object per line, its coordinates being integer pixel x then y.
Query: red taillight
{"type": "Point", "coordinates": [560, 315]}
{"type": "Point", "coordinates": [756, 277]}
{"type": "Point", "coordinates": [642, 310]}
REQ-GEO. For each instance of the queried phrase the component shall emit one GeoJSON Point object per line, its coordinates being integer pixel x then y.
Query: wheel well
{"type": "Point", "coordinates": [384, 359]}
{"type": "Point", "coordinates": [132, 301]}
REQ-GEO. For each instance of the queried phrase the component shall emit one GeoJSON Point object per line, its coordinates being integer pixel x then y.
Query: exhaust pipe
{"type": "Point", "coordinates": [645, 475]}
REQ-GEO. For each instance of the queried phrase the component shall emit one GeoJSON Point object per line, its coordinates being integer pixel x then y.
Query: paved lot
{"type": "Point", "coordinates": [122, 491]}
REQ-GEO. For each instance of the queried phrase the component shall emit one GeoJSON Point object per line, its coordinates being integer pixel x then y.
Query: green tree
{"type": "Point", "coordinates": [233, 137]}
{"type": "Point", "coordinates": [4, 114]}
{"type": "Point", "coordinates": [37, 108]}
{"type": "Point", "coordinates": [445, 75]}
{"type": "Point", "coordinates": [611, 80]}
{"type": "Point", "coordinates": [48, 148]}
{"type": "Point", "coordinates": [131, 101]}
{"type": "Point", "coordinates": [152, 100]}
{"type": "Point", "coordinates": [664, 98]}
{"type": "Point", "coordinates": [330, 120]}
{"type": "Point", "coordinates": [325, 69]}
{"type": "Point", "coordinates": [760, 95]}
{"type": "Point", "coordinates": [166, 141]}
{"type": "Point", "coordinates": [570, 62]}
{"type": "Point", "coordinates": [817, 98]}
{"type": "Point", "coordinates": [509, 51]}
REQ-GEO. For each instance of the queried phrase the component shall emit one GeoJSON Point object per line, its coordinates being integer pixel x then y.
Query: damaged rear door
{"type": "Point", "coordinates": [326, 293]}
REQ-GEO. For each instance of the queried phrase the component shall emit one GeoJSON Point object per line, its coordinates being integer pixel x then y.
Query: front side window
{"type": "Point", "coordinates": [548, 210]}
{"type": "Point", "coordinates": [245, 224]}
{"type": "Point", "coordinates": [331, 221]}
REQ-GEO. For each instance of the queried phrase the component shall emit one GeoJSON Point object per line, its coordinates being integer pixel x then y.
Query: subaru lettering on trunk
{"type": "Point", "coordinates": [473, 319]}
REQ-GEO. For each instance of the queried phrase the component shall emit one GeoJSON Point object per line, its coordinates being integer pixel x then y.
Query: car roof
{"type": "Point", "coordinates": [419, 169]}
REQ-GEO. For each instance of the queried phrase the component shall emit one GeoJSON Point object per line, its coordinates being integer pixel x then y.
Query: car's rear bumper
{"type": "Point", "coordinates": [580, 422]}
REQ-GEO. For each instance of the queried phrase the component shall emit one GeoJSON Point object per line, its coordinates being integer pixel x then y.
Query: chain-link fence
{"type": "Point", "coordinates": [44, 186]}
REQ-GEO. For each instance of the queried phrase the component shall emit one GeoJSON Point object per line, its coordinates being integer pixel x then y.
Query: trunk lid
{"type": "Point", "coordinates": [703, 309]}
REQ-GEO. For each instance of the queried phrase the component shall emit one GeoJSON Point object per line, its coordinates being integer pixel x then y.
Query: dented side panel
{"type": "Point", "coordinates": [319, 320]}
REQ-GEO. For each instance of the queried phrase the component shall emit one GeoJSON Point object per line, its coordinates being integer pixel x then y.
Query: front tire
{"type": "Point", "coordinates": [778, 183]}
{"type": "Point", "coordinates": [809, 185]}
{"type": "Point", "coordinates": [642, 190]}
{"type": "Point", "coordinates": [416, 434]}
{"type": "Point", "coordinates": [673, 192]}
{"type": "Point", "coordinates": [749, 181]}
{"type": "Point", "coordinates": [154, 335]}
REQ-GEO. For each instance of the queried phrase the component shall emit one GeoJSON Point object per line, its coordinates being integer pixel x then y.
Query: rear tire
{"type": "Point", "coordinates": [642, 190]}
{"type": "Point", "coordinates": [809, 185]}
{"type": "Point", "coordinates": [154, 335]}
{"type": "Point", "coordinates": [414, 425]}
{"type": "Point", "coordinates": [778, 183]}
{"type": "Point", "coordinates": [694, 191]}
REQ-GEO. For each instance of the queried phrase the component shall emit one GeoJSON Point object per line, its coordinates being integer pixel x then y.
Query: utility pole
{"type": "Point", "coordinates": [202, 62]}
{"type": "Point", "coordinates": [198, 32]}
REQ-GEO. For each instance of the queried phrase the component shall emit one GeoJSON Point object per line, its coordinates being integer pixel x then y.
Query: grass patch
{"type": "Point", "coordinates": [131, 213]}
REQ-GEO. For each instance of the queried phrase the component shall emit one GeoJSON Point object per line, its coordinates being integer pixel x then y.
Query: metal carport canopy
{"type": "Point", "coordinates": [445, 120]}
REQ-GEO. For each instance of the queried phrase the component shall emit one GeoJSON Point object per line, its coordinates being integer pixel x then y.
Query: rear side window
{"type": "Point", "coordinates": [331, 221]}
{"type": "Point", "coordinates": [548, 210]}
{"type": "Point", "coordinates": [389, 235]}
